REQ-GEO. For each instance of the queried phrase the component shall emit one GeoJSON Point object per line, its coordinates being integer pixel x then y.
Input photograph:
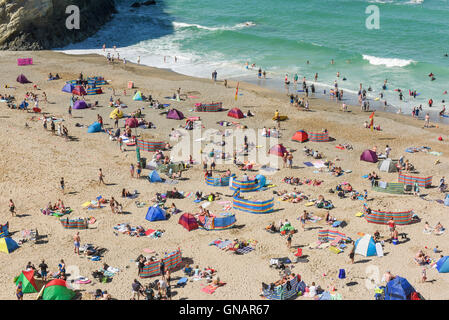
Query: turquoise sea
{"type": "Point", "coordinates": [281, 36]}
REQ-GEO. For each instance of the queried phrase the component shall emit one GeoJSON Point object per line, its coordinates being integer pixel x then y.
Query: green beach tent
{"type": "Point", "coordinates": [138, 96]}
{"type": "Point", "coordinates": [57, 290]}
{"type": "Point", "coordinates": [28, 283]}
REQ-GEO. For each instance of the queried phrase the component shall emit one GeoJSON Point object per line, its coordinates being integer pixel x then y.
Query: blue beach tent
{"type": "Point", "coordinates": [443, 265]}
{"type": "Point", "coordinates": [94, 127]}
{"type": "Point", "coordinates": [155, 214]}
{"type": "Point", "coordinates": [154, 176]}
{"type": "Point", "coordinates": [398, 289]}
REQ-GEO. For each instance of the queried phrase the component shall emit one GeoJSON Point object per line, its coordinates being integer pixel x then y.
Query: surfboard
{"type": "Point", "coordinates": [379, 250]}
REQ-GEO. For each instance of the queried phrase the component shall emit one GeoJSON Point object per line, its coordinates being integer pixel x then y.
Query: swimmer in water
{"type": "Point", "coordinates": [332, 61]}
{"type": "Point", "coordinates": [443, 111]}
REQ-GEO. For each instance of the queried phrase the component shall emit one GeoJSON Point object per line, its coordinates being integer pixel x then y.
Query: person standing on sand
{"type": "Point", "coordinates": [427, 121]}
{"type": "Point", "coordinates": [12, 207]}
{"type": "Point", "coordinates": [100, 177]}
{"type": "Point", "coordinates": [43, 266]}
{"type": "Point", "coordinates": [387, 151]}
{"type": "Point", "coordinates": [352, 253]}
{"type": "Point", "coordinates": [289, 240]}
{"type": "Point", "coordinates": [139, 170]}
{"type": "Point", "coordinates": [19, 291]}
{"type": "Point", "coordinates": [120, 142]}
{"type": "Point", "coordinates": [100, 121]}
{"type": "Point", "coordinates": [62, 183]}
{"type": "Point", "coordinates": [76, 242]}
{"type": "Point", "coordinates": [138, 60]}
{"type": "Point", "coordinates": [131, 168]}
{"type": "Point", "coordinates": [290, 160]}
{"type": "Point", "coordinates": [70, 111]}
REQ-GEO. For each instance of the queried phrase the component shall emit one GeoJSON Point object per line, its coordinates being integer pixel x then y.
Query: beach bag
{"type": "Point", "coordinates": [342, 274]}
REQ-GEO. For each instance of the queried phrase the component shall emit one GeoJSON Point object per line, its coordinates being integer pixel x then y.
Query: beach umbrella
{"type": "Point", "coordinates": [28, 282]}
{"type": "Point", "coordinates": [57, 290]}
{"type": "Point", "coordinates": [8, 245]}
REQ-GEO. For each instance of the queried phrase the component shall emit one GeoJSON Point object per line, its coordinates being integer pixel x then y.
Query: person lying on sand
{"type": "Point", "coordinates": [125, 193]}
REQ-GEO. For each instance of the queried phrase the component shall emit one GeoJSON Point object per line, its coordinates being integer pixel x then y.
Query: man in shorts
{"type": "Point", "coordinates": [100, 176]}
{"type": "Point", "coordinates": [43, 266]}
{"type": "Point", "coordinates": [62, 183]}
{"type": "Point", "coordinates": [12, 207]}
{"type": "Point", "coordinates": [76, 242]}
{"type": "Point", "coordinates": [136, 289]}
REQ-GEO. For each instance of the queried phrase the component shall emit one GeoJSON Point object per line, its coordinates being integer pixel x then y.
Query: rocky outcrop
{"type": "Point", "coordinates": [41, 24]}
{"type": "Point", "coordinates": [146, 3]}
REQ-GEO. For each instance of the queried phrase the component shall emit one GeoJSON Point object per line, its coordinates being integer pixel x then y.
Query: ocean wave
{"type": "Point", "coordinates": [388, 62]}
{"type": "Point", "coordinates": [180, 25]}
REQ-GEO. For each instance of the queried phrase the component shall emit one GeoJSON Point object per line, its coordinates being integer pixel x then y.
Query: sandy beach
{"type": "Point", "coordinates": [33, 162]}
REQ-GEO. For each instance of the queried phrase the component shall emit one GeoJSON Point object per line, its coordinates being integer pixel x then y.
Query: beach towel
{"type": "Point", "coordinates": [209, 289]}
{"type": "Point", "coordinates": [244, 250]}
{"type": "Point", "coordinates": [308, 164]}
{"type": "Point", "coordinates": [224, 244]}
{"type": "Point", "coordinates": [335, 250]}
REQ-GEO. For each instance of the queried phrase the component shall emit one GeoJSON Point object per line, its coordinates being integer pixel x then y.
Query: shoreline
{"type": "Point", "coordinates": [276, 84]}
{"type": "Point", "coordinates": [36, 160]}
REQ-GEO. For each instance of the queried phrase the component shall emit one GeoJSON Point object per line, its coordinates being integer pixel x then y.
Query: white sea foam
{"type": "Point", "coordinates": [180, 25]}
{"type": "Point", "coordinates": [388, 62]}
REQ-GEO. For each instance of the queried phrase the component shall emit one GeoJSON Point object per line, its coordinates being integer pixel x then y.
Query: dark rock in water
{"type": "Point", "coordinates": [149, 3]}
{"type": "Point", "coordinates": [41, 24]}
{"type": "Point", "coordinates": [135, 5]}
